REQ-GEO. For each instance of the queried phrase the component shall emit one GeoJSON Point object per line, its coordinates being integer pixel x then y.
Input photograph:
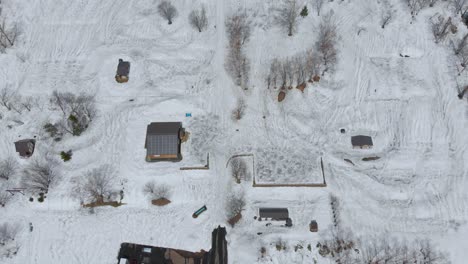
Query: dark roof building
{"type": "Point", "coordinates": [163, 141]}
{"type": "Point", "coordinates": [361, 141]}
{"type": "Point", "coordinates": [140, 254]}
{"type": "Point", "coordinates": [123, 69]}
{"type": "Point", "coordinates": [273, 213]}
{"type": "Point", "coordinates": [25, 147]}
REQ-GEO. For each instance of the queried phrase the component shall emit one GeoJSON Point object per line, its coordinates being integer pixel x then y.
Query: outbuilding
{"type": "Point", "coordinates": [278, 214]}
{"type": "Point", "coordinates": [313, 226]}
{"type": "Point", "coordinates": [25, 147]}
{"type": "Point", "coordinates": [362, 142]}
{"type": "Point", "coordinates": [123, 70]}
{"type": "Point", "coordinates": [163, 141]}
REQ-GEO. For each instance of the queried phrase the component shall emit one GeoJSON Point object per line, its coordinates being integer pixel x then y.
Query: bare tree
{"type": "Point", "coordinates": [238, 169]}
{"type": "Point", "coordinates": [78, 111]}
{"type": "Point", "coordinates": [235, 204]}
{"type": "Point", "coordinates": [300, 69]}
{"type": "Point", "coordinates": [198, 19]}
{"type": "Point", "coordinates": [7, 168]}
{"type": "Point", "coordinates": [237, 64]}
{"type": "Point", "coordinates": [463, 57]}
{"type": "Point", "coordinates": [97, 185]}
{"type": "Point", "coordinates": [317, 4]}
{"type": "Point", "coordinates": [8, 33]}
{"type": "Point", "coordinates": [273, 74]}
{"type": "Point", "coordinates": [429, 255]}
{"type": "Point", "coordinates": [40, 176]}
{"type": "Point", "coordinates": [440, 28]}
{"type": "Point", "coordinates": [155, 191]}
{"type": "Point", "coordinates": [6, 98]}
{"type": "Point", "coordinates": [8, 233]}
{"type": "Point", "coordinates": [326, 44]}
{"type": "Point", "coordinates": [386, 17]}
{"type": "Point", "coordinates": [461, 45]}
{"type": "Point", "coordinates": [459, 6]}
{"type": "Point", "coordinates": [239, 111]}
{"type": "Point", "coordinates": [313, 64]}
{"type": "Point", "coordinates": [28, 102]}
{"type": "Point", "coordinates": [4, 198]}
{"type": "Point", "coordinates": [287, 16]}
{"type": "Point", "coordinates": [167, 11]}
{"type": "Point", "coordinates": [238, 28]}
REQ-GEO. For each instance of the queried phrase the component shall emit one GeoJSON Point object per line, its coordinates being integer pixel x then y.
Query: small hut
{"type": "Point", "coordinates": [25, 147]}
{"type": "Point", "coordinates": [123, 69]}
{"type": "Point", "coordinates": [313, 226]}
{"type": "Point", "coordinates": [276, 214]}
{"type": "Point", "coordinates": [362, 142]}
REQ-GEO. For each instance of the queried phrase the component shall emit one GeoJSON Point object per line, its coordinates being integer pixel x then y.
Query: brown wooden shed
{"type": "Point", "coordinates": [25, 147]}
{"type": "Point", "coordinates": [123, 69]}
{"type": "Point", "coordinates": [313, 226]}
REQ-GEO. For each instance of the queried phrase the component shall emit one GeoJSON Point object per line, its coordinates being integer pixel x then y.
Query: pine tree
{"type": "Point", "coordinates": [304, 12]}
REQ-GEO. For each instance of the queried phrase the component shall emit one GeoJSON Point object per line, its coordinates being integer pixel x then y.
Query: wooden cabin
{"type": "Point", "coordinates": [278, 214]}
{"type": "Point", "coordinates": [123, 69]}
{"type": "Point", "coordinates": [25, 147]}
{"type": "Point", "coordinates": [313, 226]}
{"type": "Point", "coordinates": [362, 142]}
{"type": "Point", "coordinates": [163, 141]}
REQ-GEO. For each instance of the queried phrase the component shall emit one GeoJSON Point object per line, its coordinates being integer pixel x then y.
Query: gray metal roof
{"type": "Point", "coordinates": [162, 144]}
{"type": "Point", "coordinates": [274, 213]}
{"type": "Point", "coordinates": [361, 140]}
{"type": "Point", "coordinates": [164, 128]}
{"type": "Point", "coordinates": [123, 69]}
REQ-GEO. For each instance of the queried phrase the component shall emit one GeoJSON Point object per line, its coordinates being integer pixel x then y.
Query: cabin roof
{"type": "Point", "coordinates": [123, 69]}
{"type": "Point", "coordinates": [22, 146]}
{"type": "Point", "coordinates": [276, 213]}
{"type": "Point", "coordinates": [361, 140]}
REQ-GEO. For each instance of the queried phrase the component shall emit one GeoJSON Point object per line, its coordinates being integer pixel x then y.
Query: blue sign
{"type": "Point", "coordinates": [188, 114]}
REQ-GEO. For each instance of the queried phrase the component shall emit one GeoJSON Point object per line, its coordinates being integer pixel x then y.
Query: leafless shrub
{"type": "Point", "coordinates": [339, 245]}
{"type": "Point", "coordinates": [431, 3]}
{"type": "Point", "coordinates": [8, 233]}
{"type": "Point", "coordinates": [235, 204]}
{"type": "Point", "coordinates": [7, 168]}
{"type": "Point", "coordinates": [78, 111]}
{"type": "Point", "coordinates": [317, 4]}
{"type": "Point", "coordinates": [40, 176]}
{"type": "Point", "coordinates": [463, 57]}
{"type": "Point", "coordinates": [386, 17]}
{"type": "Point", "coordinates": [7, 97]}
{"type": "Point", "coordinates": [97, 185]}
{"type": "Point", "coordinates": [4, 198]}
{"type": "Point", "coordinates": [287, 16]}
{"type": "Point", "coordinates": [238, 169]}
{"type": "Point", "coordinates": [440, 28]}
{"type": "Point", "coordinates": [460, 45]}
{"type": "Point", "coordinates": [167, 11]}
{"type": "Point", "coordinates": [28, 102]}
{"type": "Point", "coordinates": [326, 44]}
{"type": "Point", "coordinates": [239, 111]}
{"type": "Point", "coordinates": [415, 6]}
{"type": "Point", "coordinates": [198, 19]}
{"type": "Point", "coordinates": [8, 33]}
{"type": "Point", "coordinates": [154, 191]}
{"type": "Point", "coordinates": [459, 6]}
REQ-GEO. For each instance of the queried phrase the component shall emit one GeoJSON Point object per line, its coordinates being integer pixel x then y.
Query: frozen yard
{"type": "Point", "coordinates": [394, 84]}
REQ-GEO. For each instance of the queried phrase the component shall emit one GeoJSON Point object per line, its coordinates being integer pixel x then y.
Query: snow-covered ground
{"type": "Point", "coordinates": [417, 189]}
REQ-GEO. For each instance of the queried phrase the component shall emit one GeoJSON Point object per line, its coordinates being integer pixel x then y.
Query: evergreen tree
{"type": "Point", "coordinates": [304, 12]}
